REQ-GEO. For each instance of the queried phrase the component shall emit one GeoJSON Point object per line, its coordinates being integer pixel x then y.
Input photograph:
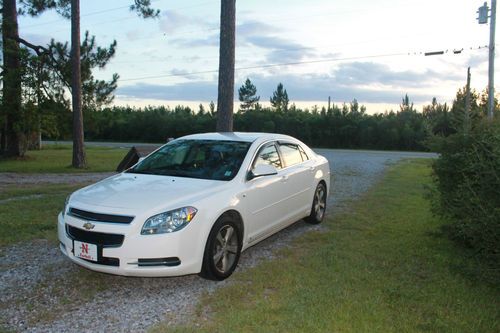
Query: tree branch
{"type": "Point", "coordinates": [42, 51]}
{"type": "Point", "coordinates": [39, 50]}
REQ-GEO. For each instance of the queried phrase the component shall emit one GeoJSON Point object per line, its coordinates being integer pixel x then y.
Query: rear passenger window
{"type": "Point", "coordinates": [291, 154]}
{"type": "Point", "coordinates": [268, 155]}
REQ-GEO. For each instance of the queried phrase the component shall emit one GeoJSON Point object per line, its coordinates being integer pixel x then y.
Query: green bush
{"type": "Point", "coordinates": [467, 178]}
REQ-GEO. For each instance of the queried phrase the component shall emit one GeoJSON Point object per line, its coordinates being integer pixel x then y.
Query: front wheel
{"type": "Point", "coordinates": [318, 208]}
{"type": "Point", "coordinates": [222, 250]}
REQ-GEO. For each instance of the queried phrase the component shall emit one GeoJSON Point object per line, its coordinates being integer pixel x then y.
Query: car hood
{"type": "Point", "coordinates": [136, 192]}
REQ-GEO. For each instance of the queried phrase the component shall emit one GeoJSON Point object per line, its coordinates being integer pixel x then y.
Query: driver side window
{"type": "Point", "coordinates": [268, 155]}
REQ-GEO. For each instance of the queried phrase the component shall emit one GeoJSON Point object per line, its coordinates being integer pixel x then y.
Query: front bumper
{"type": "Point", "coordinates": [137, 255]}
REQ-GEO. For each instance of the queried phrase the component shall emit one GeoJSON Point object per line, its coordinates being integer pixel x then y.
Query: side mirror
{"type": "Point", "coordinates": [262, 170]}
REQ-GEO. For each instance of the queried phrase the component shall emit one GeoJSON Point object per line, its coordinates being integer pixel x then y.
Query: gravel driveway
{"type": "Point", "coordinates": [37, 284]}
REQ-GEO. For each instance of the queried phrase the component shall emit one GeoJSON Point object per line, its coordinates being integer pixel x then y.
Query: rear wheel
{"type": "Point", "coordinates": [222, 250]}
{"type": "Point", "coordinates": [318, 208]}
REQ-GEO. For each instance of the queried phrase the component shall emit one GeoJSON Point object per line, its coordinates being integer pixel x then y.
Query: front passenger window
{"type": "Point", "coordinates": [268, 155]}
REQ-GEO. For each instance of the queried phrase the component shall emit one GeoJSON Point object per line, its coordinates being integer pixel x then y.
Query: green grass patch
{"type": "Point", "coordinates": [383, 266]}
{"type": "Point", "coordinates": [57, 159]}
{"type": "Point", "coordinates": [30, 212]}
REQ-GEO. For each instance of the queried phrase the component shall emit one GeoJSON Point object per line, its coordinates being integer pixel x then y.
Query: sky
{"type": "Point", "coordinates": [369, 50]}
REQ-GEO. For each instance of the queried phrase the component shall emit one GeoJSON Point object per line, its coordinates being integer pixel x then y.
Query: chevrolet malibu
{"type": "Point", "coordinates": [194, 205]}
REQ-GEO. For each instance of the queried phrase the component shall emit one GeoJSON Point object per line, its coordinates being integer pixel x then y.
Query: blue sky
{"type": "Point", "coordinates": [368, 50]}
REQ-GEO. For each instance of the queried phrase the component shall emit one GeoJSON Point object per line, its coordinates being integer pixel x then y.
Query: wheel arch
{"type": "Point", "coordinates": [236, 217]}
{"type": "Point", "coordinates": [322, 181]}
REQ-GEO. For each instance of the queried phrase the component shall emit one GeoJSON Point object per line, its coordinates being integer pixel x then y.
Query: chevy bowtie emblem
{"type": "Point", "coordinates": [88, 225]}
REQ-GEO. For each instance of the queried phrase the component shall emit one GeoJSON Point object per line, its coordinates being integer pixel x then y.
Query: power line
{"type": "Point", "coordinates": [282, 50]}
{"type": "Point", "coordinates": [111, 10]}
{"type": "Point", "coordinates": [295, 63]}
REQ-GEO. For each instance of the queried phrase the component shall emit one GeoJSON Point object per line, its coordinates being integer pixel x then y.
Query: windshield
{"type": "Point", "coordinates": [205, 159]}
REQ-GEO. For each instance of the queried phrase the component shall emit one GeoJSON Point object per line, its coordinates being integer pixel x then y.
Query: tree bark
{"type": "Point", "coordinates": [225, 99]}
{"type": "Point", "coordinates": [14, 137]}
{"type": "Point", "coordinates": [79, 159]}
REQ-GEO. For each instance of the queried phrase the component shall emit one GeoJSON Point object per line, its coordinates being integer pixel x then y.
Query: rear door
{"type": "Point", "coordinates": [298, 172]}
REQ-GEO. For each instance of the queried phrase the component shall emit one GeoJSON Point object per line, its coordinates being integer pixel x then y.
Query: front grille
{"type": "Point", "coordinates": [97, 217]}
{"type": "Point", "coordinates": [98, 238]}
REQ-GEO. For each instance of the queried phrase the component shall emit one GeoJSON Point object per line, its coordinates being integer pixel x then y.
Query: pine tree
{"type": "Point", "coordinates": [13, 142]}
{"type": "Point", "coordinates": [280, 100]}
{"type": "Point", "coordinates": [13, 139]}
{"type": "Point", "coordinates": [142, 7]}
{"type": "Point", "coordinates": [225, 97]}
{"type": "Point", "coordinates": [247, 95]}
{"type": "Point", "coordinates": [406, 105]}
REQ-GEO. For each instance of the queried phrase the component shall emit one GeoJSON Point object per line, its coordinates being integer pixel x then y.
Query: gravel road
{"type": "Point", "coordinates": [37, 284]}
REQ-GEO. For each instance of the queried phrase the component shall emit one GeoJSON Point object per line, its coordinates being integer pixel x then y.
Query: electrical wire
{"type": "Point", "coordinates": [296, 63]}
{"type": "Point", "coordinates": [107, 11]}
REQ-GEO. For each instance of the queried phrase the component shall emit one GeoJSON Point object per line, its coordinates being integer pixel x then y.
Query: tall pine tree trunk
{"type": "Point", "coordinates": [225, 99]}
{"type": "Point", "coordinates": [79, 160]}
{"type": "Point", "coordinates": [14, 139]}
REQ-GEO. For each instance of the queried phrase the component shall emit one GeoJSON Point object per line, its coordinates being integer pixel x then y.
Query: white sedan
{"type": "Point", "coordinates": [194, 204]}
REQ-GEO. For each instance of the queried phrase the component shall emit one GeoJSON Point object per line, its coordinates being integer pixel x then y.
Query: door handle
{"type": "Point", "coordinates": [284, 179]}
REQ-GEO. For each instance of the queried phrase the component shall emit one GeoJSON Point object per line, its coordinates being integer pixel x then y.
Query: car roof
{"type": "Point", "coordinates": [237, 136]}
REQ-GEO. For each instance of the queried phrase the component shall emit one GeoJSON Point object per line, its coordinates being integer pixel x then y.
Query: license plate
{"type": "Point", "coordinates": [85, 251]}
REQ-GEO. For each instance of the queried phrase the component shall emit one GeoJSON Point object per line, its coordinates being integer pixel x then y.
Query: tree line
{"type": "Point", "coordinates": [341, 126]}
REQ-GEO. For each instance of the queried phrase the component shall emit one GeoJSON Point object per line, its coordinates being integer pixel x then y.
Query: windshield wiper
{"type": "Point", "coordinates": [142, 172]}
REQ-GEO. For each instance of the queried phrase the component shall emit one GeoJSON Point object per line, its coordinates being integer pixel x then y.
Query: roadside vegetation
{"type": "Point", "coordinates": [57, 159]}
{"type": "Point", "coordinates": [467, 196]}
{"type": "Point", "coordinates": [382, 266]}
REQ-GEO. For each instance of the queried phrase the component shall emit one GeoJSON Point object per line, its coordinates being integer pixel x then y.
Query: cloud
{"type": "Point", "coordinates": [253, 33]}
{"type": "Point", "coordinates": [210, 40]}
{"type": "Point", "coordinates": [253, 27]}
{"type": "Point", "coordinates": [380, 85]}
{"type": "Point", "coordinates": [184, 73]}
{"type": "Point", "coordinates": [280, 49]}
{"type": "Point", "coordinates": [316, 87]}
{"type": "Point", "coordinates": [478, 60]}
{"type": "Point", "coordinates": [366, 73]}
{"type": "Point", "coordinates": [133, 35]}
{"type": "Point", "coordinates": [187, 91]}
{"type": "Point", "coordinates": [172, 24]}
{"type": "Point", "coordinates": [171, 21]}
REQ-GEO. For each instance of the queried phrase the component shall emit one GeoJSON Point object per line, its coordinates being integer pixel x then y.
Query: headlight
{"type": "Point", "coordinates": [65, 205]}
{"type": "Point", "coordinates": [170, 221]}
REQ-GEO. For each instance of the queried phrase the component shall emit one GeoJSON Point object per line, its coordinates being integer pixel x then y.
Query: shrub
{"type": "Point", "coordinates": [467, 177]}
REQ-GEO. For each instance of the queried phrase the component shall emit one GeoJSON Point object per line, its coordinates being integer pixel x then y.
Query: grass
{"type": "Point", "coordinates": [383, 266]}
{"type": "Point", "coordinates": [31, 212]}
{"type": "Point", "coordinates": [57, 159]}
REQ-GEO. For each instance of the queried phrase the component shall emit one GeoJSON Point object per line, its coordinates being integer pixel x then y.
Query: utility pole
{"type": "Point", "coordinates": [483, 19]}
{"type": "Point", "coordinates": [467, 104]}
{"type": "Point", "coordinates": [491, 66]}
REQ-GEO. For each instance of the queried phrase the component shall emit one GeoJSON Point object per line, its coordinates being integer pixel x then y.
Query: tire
{"type": "Point", "coordinates": [222, 250]}
{"type": "Point", "coordinates": [318, 208]}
